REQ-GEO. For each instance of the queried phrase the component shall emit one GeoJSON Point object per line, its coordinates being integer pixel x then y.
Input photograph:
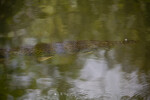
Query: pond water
{"type": "Point", "coordinates": [74, 50]}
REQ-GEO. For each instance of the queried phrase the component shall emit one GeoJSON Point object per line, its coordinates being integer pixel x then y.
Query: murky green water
{"type": "Point", "coordinates": [119, 72]}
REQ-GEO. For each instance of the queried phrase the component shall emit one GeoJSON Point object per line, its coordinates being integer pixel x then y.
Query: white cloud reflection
{"type": "Point", "coordinates": [97, 80]}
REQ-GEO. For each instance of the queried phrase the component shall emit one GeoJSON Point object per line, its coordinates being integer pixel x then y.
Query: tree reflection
{"type": "Point", "coordinates": [50, 24]}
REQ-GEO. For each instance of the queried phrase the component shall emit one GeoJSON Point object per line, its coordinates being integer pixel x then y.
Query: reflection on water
{"type": "Point", "coordinates": [90, 76]}
{"type": "Point", "coordinates": [54, 50]}
{"type": "Point", "coordinates": [98, 80]}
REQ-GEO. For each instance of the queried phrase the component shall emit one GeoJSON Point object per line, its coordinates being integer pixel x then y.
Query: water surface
{"type": "Point", "coordinates": [118, 72]}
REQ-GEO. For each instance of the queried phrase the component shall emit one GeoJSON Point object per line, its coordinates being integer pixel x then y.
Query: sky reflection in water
{"type": "Point", "coordinates": [117, 73]}
{"type": "Point", "coordinates": [97, 80]}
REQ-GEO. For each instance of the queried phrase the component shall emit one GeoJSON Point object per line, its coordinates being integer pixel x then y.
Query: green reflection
{"type": "Point", "coordinates": [45, 49]}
